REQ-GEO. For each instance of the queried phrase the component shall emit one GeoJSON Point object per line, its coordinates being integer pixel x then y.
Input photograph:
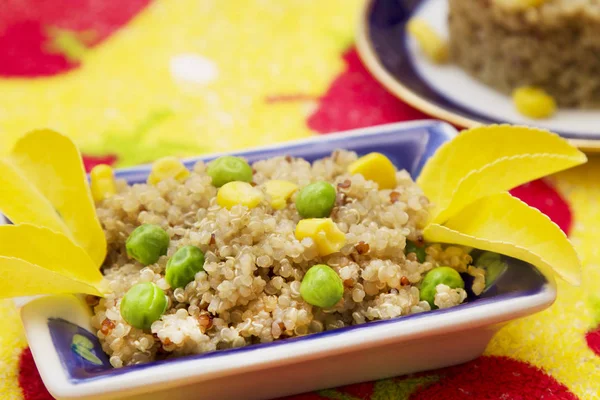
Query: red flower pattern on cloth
{"type": "Point", "coordinates": [593, 340]}
{"type": "Point", "coordinates": [21, 53]}
{"type": "Point", "coordinates": [90, 162]}
{"type": "Point", "coordinates": [356, 100]}
{"type": "Point", "coordinates": [29, 379]}
{"type": "Point", "coordinates": [494, 378]}
{"type": "Point", "coordinates": [481, 379]}
{"type": "Point", "coordinates": [543, 196]}
{"type": "Point", "coordinates": [25, 42]}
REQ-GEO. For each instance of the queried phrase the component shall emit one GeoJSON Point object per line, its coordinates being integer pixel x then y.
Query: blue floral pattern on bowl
{"type": "Point", "coordinates": [80, 350]}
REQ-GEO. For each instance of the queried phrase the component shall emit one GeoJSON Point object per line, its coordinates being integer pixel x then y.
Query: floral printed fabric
{"type": "Point", "coordinates": [135, 80]}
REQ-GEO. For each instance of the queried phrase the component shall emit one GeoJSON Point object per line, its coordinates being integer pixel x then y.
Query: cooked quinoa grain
{"type": "Point", "coordinates": [249, 289]}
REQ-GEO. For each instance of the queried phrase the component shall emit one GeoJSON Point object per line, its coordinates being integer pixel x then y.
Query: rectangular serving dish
{"type": "Point", "coordinates": [72, 364]}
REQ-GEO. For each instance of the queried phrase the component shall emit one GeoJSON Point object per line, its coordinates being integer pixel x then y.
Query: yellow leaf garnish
{"type": "Point", "coordinates": [51, 250]}
{"type": "Point", "coordinates": [488, 160]}
{"type": "Point", "coordinates": [22, 202]}
{"type": "Point", "coordinates": [21, 278]}
{"type": "Point", "coordinates": [44, 183]}
{"type": "Point", "coordinates": [504, 224]}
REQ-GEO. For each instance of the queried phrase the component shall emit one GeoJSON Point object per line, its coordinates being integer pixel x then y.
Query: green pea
{"type": "Point", "coordinates": [229, 169]}
{"type": "Point", "coordinates": [316, 200]}
{"type": "Point", "coordinates": [321, 286]}
{"type": "Point", "coordinates": [440, 275]}
{"type": "Point", "coordinates": [411, 247]}
{"type": "Point", "coordinates": [143, 304]}
{"type": "Point", "coordinates": [494, 266]}
{"type": "Point", "coordinates": [147, 243]}
{"type": "Point", "coordinates": [184, 265]}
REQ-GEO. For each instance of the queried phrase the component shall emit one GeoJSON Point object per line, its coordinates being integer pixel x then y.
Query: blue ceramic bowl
{"type": "Point", "coordinates": [73, 365]}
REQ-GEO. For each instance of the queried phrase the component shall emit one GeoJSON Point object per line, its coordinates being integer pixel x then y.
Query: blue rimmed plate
{"type": "Point", "coordinates": [446, 91]}
{"type": "Point", "coordinates": [72, 364]}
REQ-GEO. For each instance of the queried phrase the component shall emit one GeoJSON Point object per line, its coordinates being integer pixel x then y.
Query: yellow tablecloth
{"type": "Point", "coordinates": [137, 80]}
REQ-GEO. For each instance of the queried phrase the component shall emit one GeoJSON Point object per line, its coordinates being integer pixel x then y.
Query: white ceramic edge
{"type": "Point", "coordinates": [36, 314]}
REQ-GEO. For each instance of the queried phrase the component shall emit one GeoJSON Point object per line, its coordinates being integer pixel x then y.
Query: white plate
{"type": "Point", "coordinates": [446, 91]}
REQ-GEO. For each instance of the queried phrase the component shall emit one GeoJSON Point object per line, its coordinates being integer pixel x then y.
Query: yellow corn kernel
{"type": "Point", "coordinates": [432, 44]}
{"type": "Point", "coordinates": [377, 168]}
{"type": "Point", "coordinates": [167, 167]}
{"type": "Point", "coordinates": [242, 193]}
{"type": "Point", "coordinates": [324, 232]}
{"type": "Point", "coordinates": [102, 182]}
{"type": "Point", "coordinates": [519, 5]}
{"type": "Point", "coordinates": [280, 192]}
{"type": "Point", "coordinates": [534, 102]}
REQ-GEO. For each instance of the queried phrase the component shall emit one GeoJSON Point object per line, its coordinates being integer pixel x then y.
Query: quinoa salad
{"type": "Point", "coordinates": [230, 254]}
